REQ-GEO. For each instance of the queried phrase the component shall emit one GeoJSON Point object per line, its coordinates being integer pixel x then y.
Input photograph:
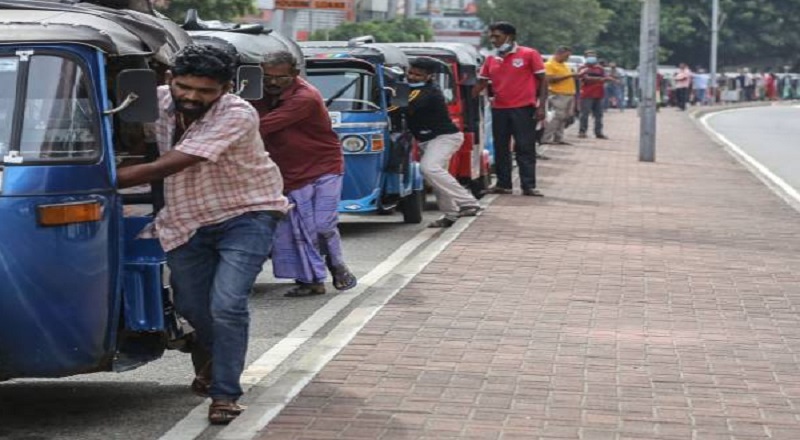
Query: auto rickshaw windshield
{"type": "Point", "coordinates": [346, 90]}
{"type": "Point", "coordinates": [56, 118]}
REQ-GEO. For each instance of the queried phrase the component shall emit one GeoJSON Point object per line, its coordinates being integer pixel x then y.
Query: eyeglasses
{"type": "Point", "coordinates": [277, 79]}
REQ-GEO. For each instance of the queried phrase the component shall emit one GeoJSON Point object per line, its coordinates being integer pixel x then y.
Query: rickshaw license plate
{"type": "Point", "coordinates": [336, 118]}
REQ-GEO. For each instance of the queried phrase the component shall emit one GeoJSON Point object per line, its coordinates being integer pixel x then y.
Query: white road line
{"type": "Point", "coordinates": [196, 422]}
{"type": "Point", "coordinates": [777, 184]}
{"type": "Point", "coordinates": [275, 397]}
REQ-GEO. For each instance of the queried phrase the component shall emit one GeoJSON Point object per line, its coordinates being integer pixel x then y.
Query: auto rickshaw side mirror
{"type": "Point", "coordinates": [137, 95]}
{"type": "Point", "coordinates": [400, 95]}
{"type": "Point", "coordinates": [250, 82]}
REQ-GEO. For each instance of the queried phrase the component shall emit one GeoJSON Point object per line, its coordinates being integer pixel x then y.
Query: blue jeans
{"type": "Point", "coordinates": [212, 276]}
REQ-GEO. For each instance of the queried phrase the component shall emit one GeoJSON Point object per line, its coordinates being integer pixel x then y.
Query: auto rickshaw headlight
{"type": "Point", "coordinates": [353, 144]}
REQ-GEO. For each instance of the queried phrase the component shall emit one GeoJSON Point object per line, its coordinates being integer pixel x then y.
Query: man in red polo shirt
{"type": "Point", "coordinates": [593, 83]}
{"type": "Point", "coordinates": [517, 75]}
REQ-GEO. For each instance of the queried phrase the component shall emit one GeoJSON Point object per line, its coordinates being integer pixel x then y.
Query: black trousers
{"type": "Point", "coordinates": [518, 123]}
{"type": "Point", "coordinates": [682, 95]}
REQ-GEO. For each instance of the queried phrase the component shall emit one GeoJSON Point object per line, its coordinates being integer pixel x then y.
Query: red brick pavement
{"type": "Point", "coordinates": [635, 301]}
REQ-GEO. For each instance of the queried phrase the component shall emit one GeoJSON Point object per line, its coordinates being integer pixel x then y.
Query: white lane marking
{"type": "Point", "coordinates": [775, 183]}
{"type": "Point", "coordinates": [268, 405]}
{"type": "Point", "coordinates": [196, 422]}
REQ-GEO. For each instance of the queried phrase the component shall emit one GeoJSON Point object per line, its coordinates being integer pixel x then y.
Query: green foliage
{"type": "Point", "coordinates": [391, 31]}
{"type": "Point", "coordinates": [208, 9]}
{"type": "Point", "coordinates": [547, 24]}
{"type": "Point", "coordinates": [753, 32]}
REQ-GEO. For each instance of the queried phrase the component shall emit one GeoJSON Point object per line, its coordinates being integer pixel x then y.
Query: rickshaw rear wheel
{"type": "Point", "coordinates": [412, 207]}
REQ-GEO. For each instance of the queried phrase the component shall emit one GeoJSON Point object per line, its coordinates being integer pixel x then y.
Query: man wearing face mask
{"type": "Point", "coordinates": [223, 201]}
{"type": "Point", "coordinates": [517, 74]}
{"type": "Point", "coordinates": [439, 139]}
{"type": "Point", "coordinates": [593, 79]}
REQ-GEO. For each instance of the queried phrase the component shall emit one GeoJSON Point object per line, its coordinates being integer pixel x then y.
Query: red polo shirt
{"type": "Point", "coordinates": [592, 89]}
{"type": "Point", "coordinates": [512, 77]}
{"type": "Point", "coordinates": [299, 137]}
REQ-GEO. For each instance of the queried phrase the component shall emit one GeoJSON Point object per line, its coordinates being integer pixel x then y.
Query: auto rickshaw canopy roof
{"type": "Point", "coordinates": [250, 47]}
{"type": "Point", "coordinates": [117, 32]}
{"type": "Point", "coordinates": [373, 52]}
{"type": "Point", "coordinates": [464, 54]}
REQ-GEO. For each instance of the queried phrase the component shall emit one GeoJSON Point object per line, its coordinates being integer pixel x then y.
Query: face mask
{"type": "Point", "coordinates": [417, 84]}
{"type": "Point", "coordinates": [591, 60]}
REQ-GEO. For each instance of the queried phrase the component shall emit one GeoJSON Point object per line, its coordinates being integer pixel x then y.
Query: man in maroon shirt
{"type": "Point", "coordinates": [298, 136]}
{"type": "Point", "coordinates": [593, 83]}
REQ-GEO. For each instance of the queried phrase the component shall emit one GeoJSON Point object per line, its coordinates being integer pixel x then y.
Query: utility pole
{"type": "Point", "coordinates": [648, 68]}
{"type": "Point", "coordinates": [714, 48]}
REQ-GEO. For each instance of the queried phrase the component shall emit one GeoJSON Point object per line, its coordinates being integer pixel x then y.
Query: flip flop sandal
{"type": "Point", "coordinates": [306, 289]}
{"type": "Point", "coordinates": [443, 222]}
{"type": "Point", "coordinates": [222, 412]}
{"type": "Point", "coordinates": [343, 279]}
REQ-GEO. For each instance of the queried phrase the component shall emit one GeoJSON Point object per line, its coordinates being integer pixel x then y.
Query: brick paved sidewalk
{"type": "Point", "coordinates": [635, 301]}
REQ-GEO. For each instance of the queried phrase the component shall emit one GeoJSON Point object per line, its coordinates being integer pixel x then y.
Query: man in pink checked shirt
{"type": "Point", "coordinates": [223, 200]}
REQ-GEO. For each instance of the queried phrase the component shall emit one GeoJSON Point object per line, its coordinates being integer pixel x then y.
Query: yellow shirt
{"type": "Point", "coordinates": [565, 87]}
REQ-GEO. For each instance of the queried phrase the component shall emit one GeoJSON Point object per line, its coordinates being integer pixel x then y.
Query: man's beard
{"type": "Point", "coordinates": [189, 108]}
{"type": "Point", "coordinates": [273, 90]}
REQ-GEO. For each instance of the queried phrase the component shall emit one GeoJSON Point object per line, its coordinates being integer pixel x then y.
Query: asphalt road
{"type": "Point", "coordinates": [147, 402]}
{"type": "Point", "coordinates": [770, 135]}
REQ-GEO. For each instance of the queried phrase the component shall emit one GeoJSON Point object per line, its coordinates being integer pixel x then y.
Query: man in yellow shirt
{"type": "Point", "coordinates": [561, 80]}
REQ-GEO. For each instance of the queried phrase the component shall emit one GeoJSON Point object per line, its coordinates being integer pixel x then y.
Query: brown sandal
{"type": "Point", "coordinates": [222, 412]}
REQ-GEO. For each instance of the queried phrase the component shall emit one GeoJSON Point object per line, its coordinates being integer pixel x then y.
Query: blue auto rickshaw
{"type": "Point", "coordinates": [361, 83]}
{"type": "Point", "coordinates": [80, 292]}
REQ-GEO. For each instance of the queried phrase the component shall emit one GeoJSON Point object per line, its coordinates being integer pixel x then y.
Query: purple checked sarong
{"type": "Point", "coordinates": [309, 232]}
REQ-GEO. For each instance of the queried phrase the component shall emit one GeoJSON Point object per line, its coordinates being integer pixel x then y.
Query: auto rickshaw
{"type": "Point", "coordinates": [79, 291]}
{"type": "Point", "coordinates": [471, 164]}
{"type": "Point", "coordinates": [249, 41]}
{"type": "Point", "coordinates": [359, 83]}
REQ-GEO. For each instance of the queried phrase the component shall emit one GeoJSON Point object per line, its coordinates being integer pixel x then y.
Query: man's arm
{"type": "Point", "coordinates": [541, 110]}
{"type": "Point", "coordinates": [552, 79]}
{"type": "Point", "coordinates": [291, 112]}
{"type": "Point", "coordinates": [480, 87]}
{"type": "Point", "coordinates": [170, 163]}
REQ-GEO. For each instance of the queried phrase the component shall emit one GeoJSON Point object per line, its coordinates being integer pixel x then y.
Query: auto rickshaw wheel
{"type": "Point", "coordinates": [412, 207]}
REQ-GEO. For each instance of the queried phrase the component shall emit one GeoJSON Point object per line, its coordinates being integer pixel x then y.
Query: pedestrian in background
{"type": "Point", "coordinates": [223, 200]}
{"type": "Point", "coordinates": [561, 81]}
{"type": "Point", "coordinates": [517, 75]}
{"type": "Point", "coordinates": [683, 80]}
{"type": "Point", "coordinates": [615, 89]}
{"type": "Point", "coordinates": [593, 79]}
{"type": "Point", "coordinates": [439, 138]}
{"type": "Point", "coordinates": [771, 85]}
{"type": "Point", "coordinates": [700, 86]}
{"type": "Point", "coordinates": [298, 135]}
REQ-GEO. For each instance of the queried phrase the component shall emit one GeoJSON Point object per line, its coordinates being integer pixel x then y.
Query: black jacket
{"type": "Point", "coordinates": [427, 113]}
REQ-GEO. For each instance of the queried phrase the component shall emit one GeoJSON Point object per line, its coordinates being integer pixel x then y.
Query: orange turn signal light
{"type": "Point", "coordinates": [66, 213]}
{"type": "Point", "coordinates": [377, 142]}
